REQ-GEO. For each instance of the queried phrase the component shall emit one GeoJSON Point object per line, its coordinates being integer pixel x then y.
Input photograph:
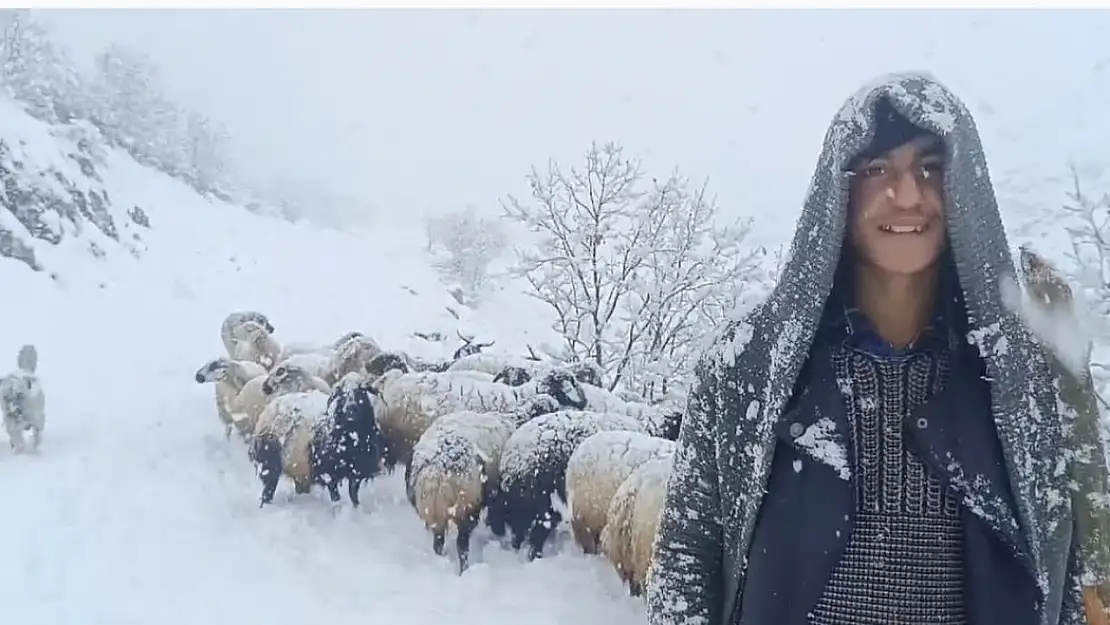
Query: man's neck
{"type": "Point", "coordinates": [898, 305]}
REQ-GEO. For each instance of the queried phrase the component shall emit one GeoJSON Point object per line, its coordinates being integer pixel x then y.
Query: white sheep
{"type": "Point", "coordinates": [22, 401]}
{"type": "Point", "coordinates": [230, 376]}
{"type": "Point", "coordinates": [258, 392]}
{"type": "Point", "coordinates": [453, 471]}
{"type": "Point", "coordinates": [493, 363]}
{"type": "Point", "coordinates": [282, 440]}
{"type": "Point", "coordinates": [634, 513]}
{"type": "Point", "coordinates": [413, 401]}
{"type": "Point", "coordinates": [351, 354]}
{"type": "Point", "coordinates": [596, 470]}
{"type": "Point", "coordinates": [251, 341]}
{"type": "Point", "coordinates": [658, 420]}
{"type": "Point", "coordinates": [533, 471]}
{"type": "Point", "coordinates": [316, 363]}
{"type": "Point", "coordinates": [234, 320]}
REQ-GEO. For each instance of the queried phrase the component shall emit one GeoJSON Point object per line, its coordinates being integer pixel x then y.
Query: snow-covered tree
{"type": "Point", "coordinates": [1090, 254]}
{"type": "Point", "coordinates": [463, 246]}
{"type": "Point", "coordinates": [36, 72]}
{"type": "Point", "coordinates": [135, 113]}
{"type": "Point", "coordinates": [209, 151]}
{"type": "Point", "coordinates": [637, 272]}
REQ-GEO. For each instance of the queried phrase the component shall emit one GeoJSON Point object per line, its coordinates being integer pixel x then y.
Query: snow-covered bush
{"type": "Point", "coordinates": [463, 245]}
{"type": "Point", "coordinates": [637, 272]}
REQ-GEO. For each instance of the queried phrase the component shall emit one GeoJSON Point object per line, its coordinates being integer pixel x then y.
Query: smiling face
{"type": "Point", "coordinates": [897, 208]}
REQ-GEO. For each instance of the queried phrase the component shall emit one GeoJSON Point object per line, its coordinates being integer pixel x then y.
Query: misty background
{"type": "Point", "coordinates": [393, 115]}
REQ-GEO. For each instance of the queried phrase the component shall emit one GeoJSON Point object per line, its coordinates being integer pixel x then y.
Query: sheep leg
{"type": "Point", "coordinates": [304, 487]}
{"type": "Point", "coordinates": [634, 588]}
{"type": "Point", "coordinates": [438, 539]}
{"type": "Point", "coordinates": [495, 516]}
{"type": "Point", "coordinates": [227, 431]}
{"type": "Point", "coordinates": [539, 532]}
{"type": "Point", "coordinates": [36, 438]}
{"type": "Point", "coordinates": [266, 453]}
{"type": "Point", "coordinates": [333, 491]}
{"type": "Point", "coordinates": [462, 541]}
{"type": "Point", "coordinates": [352, 490]}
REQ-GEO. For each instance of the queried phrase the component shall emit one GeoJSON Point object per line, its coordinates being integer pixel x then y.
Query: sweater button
{"type": "Point", "coordinates": [922, 423]}
{"type": "Point", "coordinates": [797, 429]}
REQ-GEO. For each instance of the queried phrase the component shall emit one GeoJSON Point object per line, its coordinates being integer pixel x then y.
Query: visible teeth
{"type": "Point", "coordinates": [902, 229]}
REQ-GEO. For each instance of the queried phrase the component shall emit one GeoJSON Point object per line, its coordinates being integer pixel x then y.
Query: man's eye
{"type": "Point", "coordinates": [873, 170]}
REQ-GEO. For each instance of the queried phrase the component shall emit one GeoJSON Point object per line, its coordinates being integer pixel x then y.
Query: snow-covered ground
{"type": "Point", "coordinates": [136, 511]}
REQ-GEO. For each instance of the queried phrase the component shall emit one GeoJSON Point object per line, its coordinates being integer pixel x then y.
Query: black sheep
{"type": "Point", "coordinates": [350, 447]}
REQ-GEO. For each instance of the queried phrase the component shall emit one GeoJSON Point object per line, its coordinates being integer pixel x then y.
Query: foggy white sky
{"type": "Point", "coordinates": [432, 110]}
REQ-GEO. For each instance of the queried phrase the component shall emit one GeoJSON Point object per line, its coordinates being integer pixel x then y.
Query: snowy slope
{"type": "Point", "coordinates": [137, 512]}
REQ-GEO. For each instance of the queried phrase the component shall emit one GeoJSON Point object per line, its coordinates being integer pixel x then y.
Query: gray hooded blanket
{"type": "Point", "coordinates": [744, 382]}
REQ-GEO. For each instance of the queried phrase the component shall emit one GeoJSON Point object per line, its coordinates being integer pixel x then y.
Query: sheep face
{"type": "Point", "coordinates": [341, 341]}
{"type": "Point", "coordinates": [289, 378]}
{"type": "Point", "coordinates": [213, 371]}
{"type": "Point", "coordinates": [564, 387]}
{"type": "Point", "coordinates": [258, 318]}
{"type": "Point", "coordinates": [513, 376]}
{"type": "Point", "coordinates": [383, 362]}
{"type": "Point", "coordinates": [354, 354]}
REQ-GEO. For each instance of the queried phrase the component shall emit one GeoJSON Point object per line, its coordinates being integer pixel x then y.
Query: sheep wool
{"type": "Point", "coordinates": [596, 470]}
{"type": "Point", "coordinates": [628, 539]}
{"type": "Point", "coordinates": [251, 341]}
{"type": "Point", "coordinates": [235, 320]}
{"type": "Point", "coordinates": [229, 376]}
{"type": "Point", "coordinates": [413, 401]}
{"type": "Point", "coordinates": [285, 431]}
{"type": "Point", "coordinates": [533, 469]}
{"type": "Point", "coordinates": [453, 469]}
{"type": "Point", "coordinates": [656, 420]}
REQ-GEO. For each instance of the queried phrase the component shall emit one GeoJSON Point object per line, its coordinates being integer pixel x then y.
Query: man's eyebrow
{"type": "Point", "coordinates": [931, 147]}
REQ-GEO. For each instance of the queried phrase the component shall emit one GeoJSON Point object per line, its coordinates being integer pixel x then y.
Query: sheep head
{"type": "Point", "coordinates": [513, 376]}
{"type": "Point", "coordinates": [564, 387]}
{"type": "Point", "coordinates": [341, 341]}
{"type": "Point", "coordinates": [288, 378]}
{"type": "Point", "coordinates": [253, 316]}
{"type": "Point", "coordinates": [213, 371]}
{"type": "Point", "coordinates": [353, 355]}
{"type": "Point", "coordinates": [386, 361]}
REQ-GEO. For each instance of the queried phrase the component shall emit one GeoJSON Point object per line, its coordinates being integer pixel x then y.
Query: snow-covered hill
{"type": "Point", "coordinates": [136, 511]}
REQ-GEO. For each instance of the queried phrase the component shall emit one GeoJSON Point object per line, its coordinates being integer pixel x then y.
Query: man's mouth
{"type": "Point", "coordinates": [902, 228]}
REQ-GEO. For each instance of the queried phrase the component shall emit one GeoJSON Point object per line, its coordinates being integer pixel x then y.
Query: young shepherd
{"type": "Point", "coordinates": [22, 402]}
{"type": "Point", "coordinates": [629, 535]}
{"type": "Point", "coordinates": [596, 470]}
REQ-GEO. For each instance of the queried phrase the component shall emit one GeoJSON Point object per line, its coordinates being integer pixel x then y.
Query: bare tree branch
{"type": "Point", "coordinates": [636, 273]}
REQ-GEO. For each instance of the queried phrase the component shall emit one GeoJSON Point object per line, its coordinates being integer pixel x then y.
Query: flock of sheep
{"type": "Point", "coordinates": [518, 439]}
